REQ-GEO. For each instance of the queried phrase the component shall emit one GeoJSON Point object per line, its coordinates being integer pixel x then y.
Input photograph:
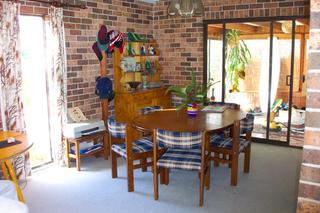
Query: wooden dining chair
{"type": "Point", "coordinates": [185, 150]}
{"type": "Point", "coordinates": [122, 144]}
{"type": "Point", "coordinates": [226, 149]}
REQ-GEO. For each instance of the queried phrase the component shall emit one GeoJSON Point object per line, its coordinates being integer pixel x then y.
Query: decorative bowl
{"type": "Point", "coordinates": [192, 109]}
{"type": "Point", "coordinates": [134, 84]}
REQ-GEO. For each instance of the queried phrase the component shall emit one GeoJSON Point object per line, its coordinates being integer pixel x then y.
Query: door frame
{"type": "Point", "coordinates": [271, 20]}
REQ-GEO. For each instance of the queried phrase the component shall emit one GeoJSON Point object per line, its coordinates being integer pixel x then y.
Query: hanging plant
{"type": "Point", "coordinates": [237, 59]}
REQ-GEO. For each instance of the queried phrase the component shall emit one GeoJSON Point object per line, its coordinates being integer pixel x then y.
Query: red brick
{"type": "Point", "coordinates": [309, 191]}
{"type": "Point", "coordinates": [312, 138]}
{"type": "Point", "coordinates": [308, 206]}
{"type": "Point", "coordinates": [310, 174]}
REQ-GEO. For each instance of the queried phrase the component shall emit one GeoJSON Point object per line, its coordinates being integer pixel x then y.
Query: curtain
{"type": "Point", "coordinates": [56, 82]}
{"type": "Point", "coordinates": [11, 106]}
{"type": "Point", "coordinates": [264, 74]}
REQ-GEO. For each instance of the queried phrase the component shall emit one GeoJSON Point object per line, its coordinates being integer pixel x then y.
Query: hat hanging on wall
{"type": "Point", "coordinates": [185, 8]}
{"type": "Point", "coordinates": [104, 88]}
{"type": "Point", "coordinates": [106, 41]}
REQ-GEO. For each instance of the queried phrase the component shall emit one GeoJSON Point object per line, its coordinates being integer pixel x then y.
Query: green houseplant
{"type": "Point", "coordinates": [237, 59]}
{"type": "Point", "coordinates": [193, 93]}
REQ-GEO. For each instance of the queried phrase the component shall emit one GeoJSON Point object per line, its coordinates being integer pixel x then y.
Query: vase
{"type": "Point", "coordinates": [193, 109]}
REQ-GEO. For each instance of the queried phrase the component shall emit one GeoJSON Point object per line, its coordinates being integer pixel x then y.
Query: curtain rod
{"type": "Point", "coordinates": [55, 3]}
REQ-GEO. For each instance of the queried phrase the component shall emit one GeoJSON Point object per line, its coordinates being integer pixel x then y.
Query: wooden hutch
{"type": "Point", "coordinates": [129, 101]}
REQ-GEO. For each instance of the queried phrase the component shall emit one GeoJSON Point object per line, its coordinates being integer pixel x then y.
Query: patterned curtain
{"type": "Point", "coordinates": [11, 106]}
{"type": "Point", "coordinates": [56, 81]}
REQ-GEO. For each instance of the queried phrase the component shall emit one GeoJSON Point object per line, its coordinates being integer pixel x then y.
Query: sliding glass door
{"type": "Point", "coordinates": [261, 66]}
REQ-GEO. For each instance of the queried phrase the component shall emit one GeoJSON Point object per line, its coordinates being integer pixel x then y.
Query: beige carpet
{"type": "Point", "coordinates": [270, 187]}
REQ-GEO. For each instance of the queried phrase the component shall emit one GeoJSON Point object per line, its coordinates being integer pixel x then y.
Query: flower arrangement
{"type": "Point", "coordinates": [192, 94]}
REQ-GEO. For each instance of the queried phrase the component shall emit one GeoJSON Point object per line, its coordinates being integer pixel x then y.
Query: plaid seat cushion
{"type": "Point", "coordinates": [222, 142]}
{"type": "Point", "coordinates": [116, 129]}
{"type": "Point", "coordinates": [139, 146]}
{"type": "Point", "coordinates": [149, 109]}
{"type": "Point", "coordinates": [179, 140]}
{"type": "Point", "coordinates": [181, 159]}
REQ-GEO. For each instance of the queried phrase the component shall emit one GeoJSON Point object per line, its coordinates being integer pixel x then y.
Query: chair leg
{"type": "Point", "coordinates": [208, 174]}
{"type": "Point", "coordinates": [143, 164]}
{"type": "Point", "coordinates": [162, 176]}
{"type": "Point", "coordinates": [230, 159]}
{"type": "Point", "coordinates": [234, 169]}
{"type": "Point", "coordinates": [247, 154]}
{"type": "Point", "coordinates": [130, 175]}
{"type": "Point", "coordinates": [114, 165]}
{"type": "Point", "coordinates": [166, 172]}
{"type": "Point", "coordinates": [155, 183]}
{"type": "Point", "coordinates": [201, 195]}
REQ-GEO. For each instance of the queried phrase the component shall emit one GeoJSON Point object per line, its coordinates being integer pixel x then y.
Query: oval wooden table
{"type": "Point", "coordinates": [179, 120]}
{"type": "Point", "coordinates": [10, 152]}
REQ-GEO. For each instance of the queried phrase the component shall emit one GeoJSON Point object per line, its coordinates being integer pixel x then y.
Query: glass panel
{"type": "Point", "coordinates": [299, 88]}
{"type": "Point", "coordinates": [247, 83]}
{"type": "Point", "coordinates": [280, 83]}
{"type": "Point", "coordinates": [34, 94]}
{"type": "Point", "coordinates": [215, 37]}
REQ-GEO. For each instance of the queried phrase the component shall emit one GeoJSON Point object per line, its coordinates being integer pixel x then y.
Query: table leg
{"type": "Point", "coordinates": [14, 179]}
{"type": "Point", "coordinates": [4, 171]}
{"type": "Point", "coordinates": [77, 156]}
{"type": "Point", "coordinates": [67, 152]}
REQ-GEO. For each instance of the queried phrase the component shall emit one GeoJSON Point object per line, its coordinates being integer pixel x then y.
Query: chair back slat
{"type": "Point", "coordinates": [116, 129]}
{"type": "Point", "coordinates": [179, 140]}
{"type": "Point", "coordinates": [246, 124]}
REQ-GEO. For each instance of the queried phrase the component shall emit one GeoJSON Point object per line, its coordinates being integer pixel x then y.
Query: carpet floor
{"type": "Point", "coordinates": [270, 187]}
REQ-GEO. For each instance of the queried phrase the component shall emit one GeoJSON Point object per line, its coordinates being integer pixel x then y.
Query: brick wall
{"type": "Point", "coordinates": [181, 39]}
{"type": "Point", "coordinates": [81, 26]}
{"type": "Point", "coordinates": [309, 187]}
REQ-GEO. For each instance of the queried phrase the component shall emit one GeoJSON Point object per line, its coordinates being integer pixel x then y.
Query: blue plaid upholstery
{"type": "Point", "coordinates": [141, 145]}
{"type": "Point", "coordinates": [179, 140]}
{"type": "Point", "coordinates": [149, 109]}
{"type": "Point", "coordinates": [116, 129]}
{"type": "Point", "coordinates": [181, 159]}
{"type": "Point", "coordinates": [246, 124]}
{"type": "Point", "coordinates": [226, 142]}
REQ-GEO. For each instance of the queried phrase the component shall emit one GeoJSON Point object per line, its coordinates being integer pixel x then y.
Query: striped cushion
{"type": "Point", "coordinates": [181, 159]}
{"type": "Point", "coordinates": [149, 109]}
{"type": "Point", "coordinates": [116, 129]}
{"type": "Point", "coordinates": [246, 124]}
{"type": "Point", "coordinates": [179, 140]}
{"type": "Point", "coordinates": [222, 142]}
{"type": "Point", "coordinates": [141, 145]}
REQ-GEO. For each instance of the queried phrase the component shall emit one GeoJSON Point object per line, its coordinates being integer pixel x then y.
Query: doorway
{"type": "Point", "coordinates": [34, 88]}
{"type": "Point", "coordinates": [261, 64]}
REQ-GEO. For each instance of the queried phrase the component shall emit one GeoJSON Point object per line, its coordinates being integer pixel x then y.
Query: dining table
{"type": "Point", "coordinates": [180, 121]}
{"type": "Point", "coordinates": [12, 144]}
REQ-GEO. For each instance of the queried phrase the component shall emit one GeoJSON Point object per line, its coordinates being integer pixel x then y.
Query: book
{"type": "Point", "coordinates": [211, 108]}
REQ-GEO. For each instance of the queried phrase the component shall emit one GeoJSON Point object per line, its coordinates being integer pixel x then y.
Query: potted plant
{"type": "Point", "coordinates": [192, 95]}
{"type": "Point", "coordinates": [238, 56]}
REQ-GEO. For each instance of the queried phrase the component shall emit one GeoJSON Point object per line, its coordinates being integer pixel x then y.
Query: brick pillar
{"type": "Point", "coordinates": [309, 186]}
